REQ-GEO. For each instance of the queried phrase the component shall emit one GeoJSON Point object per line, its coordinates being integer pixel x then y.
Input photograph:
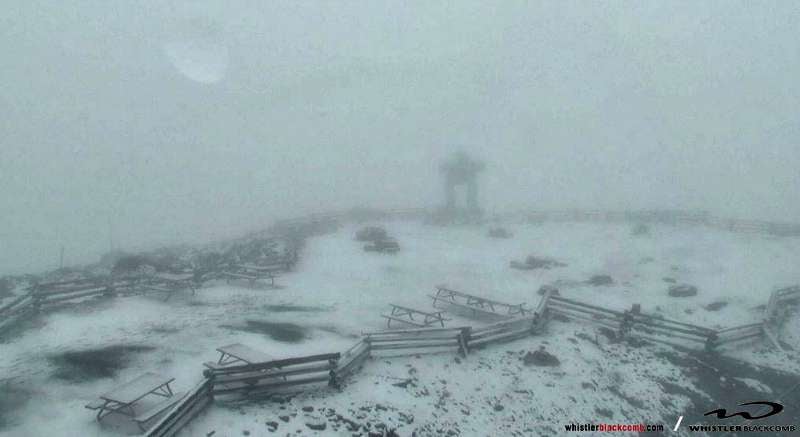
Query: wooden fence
{"type": "Point", "coordinates": [418, 340]}
{"type": "Point", "coordinates": [16, 310]}
{"type": "Point", "coordinates": [257, 379]}
{"type": "Point", "coordinates": [671, 217]}
{"type": "Point", "coordinates": [192, 404]}
{"type": "Point", "coordinates": [274, 376]}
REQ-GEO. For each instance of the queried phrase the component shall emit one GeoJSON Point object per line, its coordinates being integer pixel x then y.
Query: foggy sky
{"type": "Point", "coordinates": [293, 107]}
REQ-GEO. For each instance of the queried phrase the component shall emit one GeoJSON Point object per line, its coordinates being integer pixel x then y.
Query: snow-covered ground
{"type": "Point", "coordinates": [339, 291]}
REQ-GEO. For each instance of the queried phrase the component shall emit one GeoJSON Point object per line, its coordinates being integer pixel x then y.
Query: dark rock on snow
{"type": "Point", "coordinates": [683, 290]}
{"type": "Point", "coordinates": [540, 358]}
{"type": "Point", "coordinates": [600, 280]}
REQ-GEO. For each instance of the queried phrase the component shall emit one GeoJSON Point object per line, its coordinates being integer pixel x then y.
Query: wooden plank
{"type": "Point", "coordinates": [725, 341]}
{"type": "Point", "coordinates": [413, 331]}
{"type": "Point", "coordinates": [476, 309]}
{"type": "Point", "coordinates": [579, 316]}
{"type": "Point", "coordinates": [501, 337]}
{"type": "Point", "coordinates": [560, 299]}
{"type": "Point", "coordinates": [735, 328]}
{"type": "Point", "coordinates": [451, 292]}
{"type": "Point", "coordinates": [174, 426]}
{"type": "Point", "coordinates": [406, 321]}
{"type": "Point", "coordinates": [245, 353]}
{"type": "Point", "coordinates": [259, 375]}
{"type": "Point", "coordinates": [277, 363]}
{"type": "Point", "coordinates": [413, 336]}
{"type": "Point", "coordinates": [183, 411]}
{"type": "Point", "coordinates": [555, 305]}
{"type": "Point", "coordinates": [137, 388]}
{"type": "Point", "coordinates": [52, 300]}
{"type": "Point", "coordinates": [14, 302]}
{"type": "Point", "coordinates": [159, 408]}
{"type": "Point", "coordinates": [772, 337]}
{"type": "Point", "coordinates": [645, 318]}
{"type": "Point", "coordinates": [353, 364]}
{"type": "Point", "coordinates": [399, 346]}
{"type": "Point", "coordinates": [248, 388]}
{"type": "Point", "coordinates": [70, 290]}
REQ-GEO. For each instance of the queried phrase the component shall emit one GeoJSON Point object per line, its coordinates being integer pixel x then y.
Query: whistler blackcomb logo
{"type": "Point", "coordinates": [722, 413]}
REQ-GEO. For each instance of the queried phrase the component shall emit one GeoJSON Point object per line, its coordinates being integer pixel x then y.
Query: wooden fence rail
{"type": "Point", "coordinates": [260, 378]}
{"type": "Point", "coordinates": [15, 310]}
{"type": "Point", "coordinates": [419, 340]}
{"type": "Point", "coordinates": [192, 404]}
{"type": "Point", "coordinates": [264, 378]}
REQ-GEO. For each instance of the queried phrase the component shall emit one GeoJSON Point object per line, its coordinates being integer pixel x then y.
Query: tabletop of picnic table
{"type": "Point", "coordinates": [138, 388]}
{"type": "Point", "coordinates": [472, 298]}
{"type": "Point", "coordinates": [431, 313]}
{"type": "Point", "coordinates": [245, 353]}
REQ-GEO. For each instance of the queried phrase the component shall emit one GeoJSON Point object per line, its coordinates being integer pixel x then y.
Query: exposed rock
{"type": "Point", "coordinates": [608, 333]}
{"type": "Point", "coordinates": [535, 262]}
{"type": "Point", "coordinates": [545, 288]}
{"type": "Point", "coordinates": [716, 306]}
{"type": "Point", "coordinates": [600, 280]}
{"type": "Point", "coordinates": [272, 425]}
{"type": "Point", "coordinates": [316, 424]}
{"type": "Point", "coordinates": [540, 358]}
{"type": "Point", "coordinates": [683, 290]}
{"type": "Point", "coordinates": [604, 412]}
{"type": "Point", "coordinates": [669, 280]}
{"type": "Point", "coordinates": [385, 245]}
{"type": "Point", "coordinates": [308, 408]}
{"type": "Point", "coordinates": [499, 233]}
{"type": "Point", "coordinates": [640, 229]}
{"type": "Point", "coordinates": [371, 233]}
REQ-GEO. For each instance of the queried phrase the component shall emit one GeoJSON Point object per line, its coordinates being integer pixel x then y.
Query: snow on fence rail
{"type": "Point", "coordinates": [633, 322]}
{"type": "Point", "coordinates": [16, 310]}
{"type": "Point", "coordinates": [352, 360]}
{"type": "Point", "coordinates": [259, 378]}
{"type": "Point", "coordinates": [429, 339]}
{"type": "Point", "coordinates": [192, 404]}
{"type": "Point", "coordinates": [673, 217]}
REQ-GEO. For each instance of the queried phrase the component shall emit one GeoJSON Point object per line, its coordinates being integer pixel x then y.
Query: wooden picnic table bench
{"type": "Point", "coordinates": [125, 398]}
{"type": "Point", "coordinates": [477, 304]}
{"type": "Point", "coordinates": [406, 315]}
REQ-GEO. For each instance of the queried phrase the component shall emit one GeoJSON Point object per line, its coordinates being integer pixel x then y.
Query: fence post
{"type": "Point", "coordinates": [334, 379]}
{"type": "Point", "coordinates": [711, 341]}
{"type": "Point", "coordinates": [626, 324]}
{"type": "Point", "coordinates": [463, 341]}
{"type": "Point", "coordinates": [209, 375]}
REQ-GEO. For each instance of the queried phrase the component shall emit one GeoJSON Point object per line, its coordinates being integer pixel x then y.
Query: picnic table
{"type": "Point", "coordinates": [237, 353]}
{"type": "Point", "coordinates": [125, 398]}
{"type": "Point", "coordinates": [477, 304]}
{"type": "Point", "coordinates": [406, 315]}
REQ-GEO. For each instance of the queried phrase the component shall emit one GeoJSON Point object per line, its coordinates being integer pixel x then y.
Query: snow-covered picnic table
{"type": "Point", "coordinates": [477, 304]}
{"type": "Point", "coordinates": [406, 315]}
{"type": "Point", "coordinates": [125, 398]}
{"type": "Point", "coordinates": [238, 353]}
